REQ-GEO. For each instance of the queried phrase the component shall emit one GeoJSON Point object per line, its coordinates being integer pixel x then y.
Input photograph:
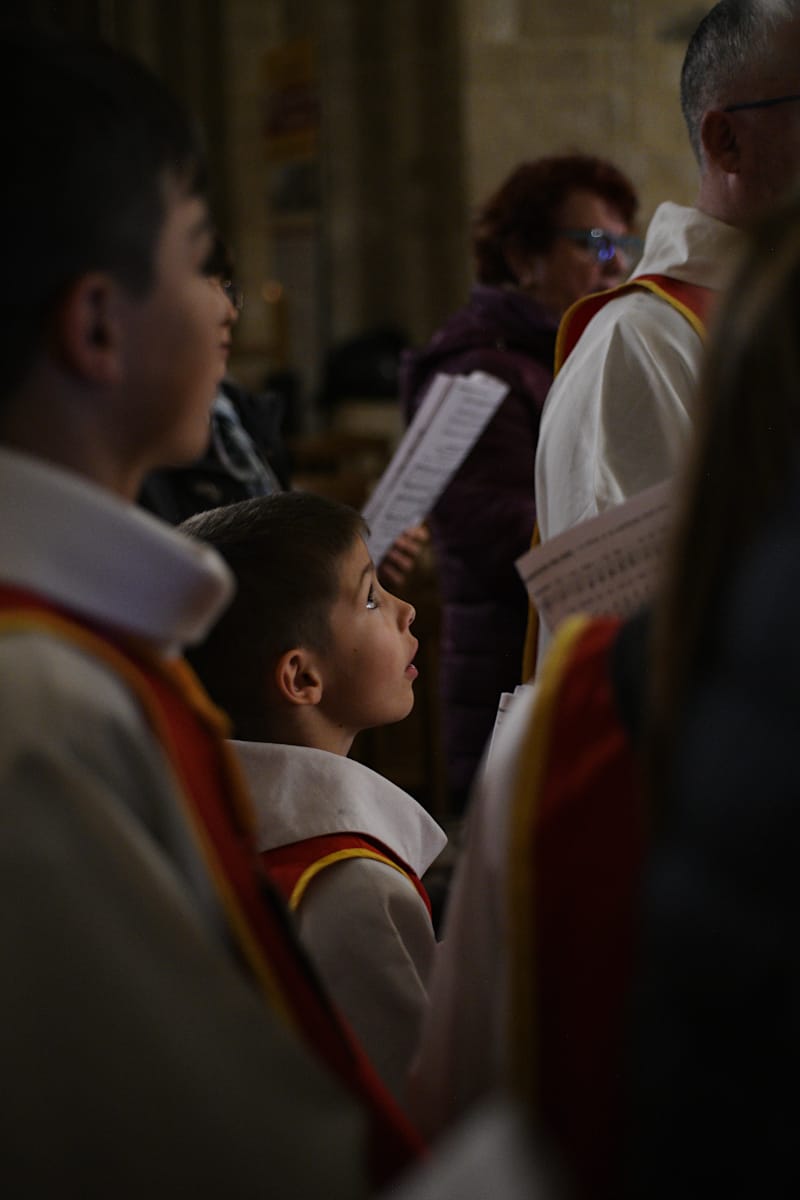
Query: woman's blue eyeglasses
{"type": "Point", "coordinates": [605, 246]}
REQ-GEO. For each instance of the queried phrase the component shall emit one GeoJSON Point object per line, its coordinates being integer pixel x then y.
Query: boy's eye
{"type": "Point", "coordinates": [208, 265]}
{"type": "Point", "coordinates": [372, 598]}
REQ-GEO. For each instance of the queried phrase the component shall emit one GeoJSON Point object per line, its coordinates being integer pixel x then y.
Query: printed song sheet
{"type": "Point", "coordinates": [503, 708]}
{"type": "Point", "coordinates": [451, 418]}
{"type": "Point", "coordinates": [609, 564]}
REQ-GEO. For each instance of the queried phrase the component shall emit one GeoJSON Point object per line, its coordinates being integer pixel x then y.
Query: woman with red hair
{"type": "Point", "coordinates": [556, 230]}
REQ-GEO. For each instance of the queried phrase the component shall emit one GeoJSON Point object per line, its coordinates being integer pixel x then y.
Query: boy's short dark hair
{"type": "Point", "coordinates": [286, 552]}
{"type": "Point", "coordinates": [89, 139]}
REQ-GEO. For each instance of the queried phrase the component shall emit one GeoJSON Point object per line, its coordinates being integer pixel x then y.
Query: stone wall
{"type": "Point", "coordinates": [425, 106]}
{"type": "Point", "coordinates": [541, 77]}
{"type": "Point", "coordinates": [428, 106]}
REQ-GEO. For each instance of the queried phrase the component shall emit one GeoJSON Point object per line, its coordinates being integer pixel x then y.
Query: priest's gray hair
{"type": "Point", "coordinates": [734, 37]}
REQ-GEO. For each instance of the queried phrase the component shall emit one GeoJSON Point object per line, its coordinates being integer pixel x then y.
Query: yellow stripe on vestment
{"type": "Point", "coordinates": [182, 675]}
{"type": "Point", "coordinates": [299, 889]}
{"type": "Point", "coordinates": [527, 786]}
{"type": "Point", "coordinates": [530, 650]}
{"type": "Point", "coordinates": [649, 285]}
{"type": "Point", "coordinates": [566, 321]}
{"type": "Point", "coordinates": [692, 317]}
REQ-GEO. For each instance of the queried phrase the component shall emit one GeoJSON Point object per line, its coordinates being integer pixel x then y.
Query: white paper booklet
{"type": "Point", "coordinates": [609, 564]}
{"type": "Point", "coordinates": [455, 411]}
{"type": "Point", "coordinates": [503, 708]}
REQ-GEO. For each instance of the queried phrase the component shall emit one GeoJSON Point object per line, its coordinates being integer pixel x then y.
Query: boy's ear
{"type": "Point", "coordinates": [86, 329]}
{"type": "Point", "coordinates": [298, 678]}
{"type": "Point", "coordinates": [720, 143]}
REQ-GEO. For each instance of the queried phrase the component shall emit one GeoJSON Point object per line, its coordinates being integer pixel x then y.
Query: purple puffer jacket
{"type": "Point", "coordinates": [485, 518]}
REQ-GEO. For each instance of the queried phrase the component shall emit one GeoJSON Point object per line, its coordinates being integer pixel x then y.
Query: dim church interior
{"type": "Point", "coordinates": [348, 146]}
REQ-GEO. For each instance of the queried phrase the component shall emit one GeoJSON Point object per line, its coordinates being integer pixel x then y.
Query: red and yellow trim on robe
{"type": "Point", "coordinates": [576, 845]}
{"type": "Point", "coordinates": [192, 732]}
{"type": "Point", "coordinates": [293, 867]}
{"type": "Point", "coordinates": [692, 301]}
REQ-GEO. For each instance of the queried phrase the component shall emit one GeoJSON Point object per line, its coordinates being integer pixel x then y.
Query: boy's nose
{"type": "Point", "coordinates": [231, 312]}
{"type": "Point", "coordinates": [409, 614]}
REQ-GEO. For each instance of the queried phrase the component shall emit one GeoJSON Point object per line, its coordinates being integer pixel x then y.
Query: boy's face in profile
{"type": "Point", "coordinates": [174, 341]}
{"type": "Point", "coordinates": [369, 671]}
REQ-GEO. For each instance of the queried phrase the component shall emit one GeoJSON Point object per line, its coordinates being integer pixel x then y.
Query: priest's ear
{"type": "Point", "coordinates": [298, 677]}
{"type": "Point", "coordinates": [720, 141]}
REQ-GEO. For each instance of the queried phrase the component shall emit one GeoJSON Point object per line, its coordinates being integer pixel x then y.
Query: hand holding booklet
{"type": "Point", "coordinates": [452, 416]}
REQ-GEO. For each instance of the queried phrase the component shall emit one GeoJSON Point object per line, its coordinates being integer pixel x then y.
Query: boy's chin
{"type": "Point", "coordinates": [188, 450]}
{"type": "Point", "coordinates": [407, 709]}
{"type": "Point", "coordinates": [393, 718]}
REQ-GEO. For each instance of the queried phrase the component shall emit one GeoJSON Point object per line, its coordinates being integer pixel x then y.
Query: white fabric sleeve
{"type": "Point", "coordinates": [619, 415]}
{"type": "Point", "coordinates": [463, 1049]}
{"type": "Point", "coordinates": [646, 396]}
{"type": "Point", "coordinates": [494, 1153]}
{"type": "Point", "coordinates": [370, 935]}
{"type": "Point", "coordinates": [139, 1057]}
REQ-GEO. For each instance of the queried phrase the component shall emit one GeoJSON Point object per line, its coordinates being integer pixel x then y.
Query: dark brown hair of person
{"type": "Point", "coordinates": [746, 449]}
{"type": "Point", "coordinates": [92, 142]}
{"type": "Point", "coordinates": [522, 215]}
{"type": "Point", "coordinates": [286, 553]}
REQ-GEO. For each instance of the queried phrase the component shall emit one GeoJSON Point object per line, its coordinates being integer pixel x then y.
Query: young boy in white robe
{"type": "Point", "coordinates": [161, 1033]}
{"type": "Point", "coordinates": [311, 651]}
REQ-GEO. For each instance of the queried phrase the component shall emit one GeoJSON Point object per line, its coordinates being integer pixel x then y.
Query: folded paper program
{"type": "Point", "coordinates": [448, 423]}
{"type": "Point", "coordinates": [608, 565]}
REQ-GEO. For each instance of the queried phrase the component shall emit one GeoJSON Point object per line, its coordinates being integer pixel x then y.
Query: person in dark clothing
{"type": "Point", "coordinates": [245, 458]}
{"type": "Point", "coordinates": [557, 229]}
{"type": "Point", "coordinates": [716, 1053]}
{"type": "Point", "coordinates": [246, 455]}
